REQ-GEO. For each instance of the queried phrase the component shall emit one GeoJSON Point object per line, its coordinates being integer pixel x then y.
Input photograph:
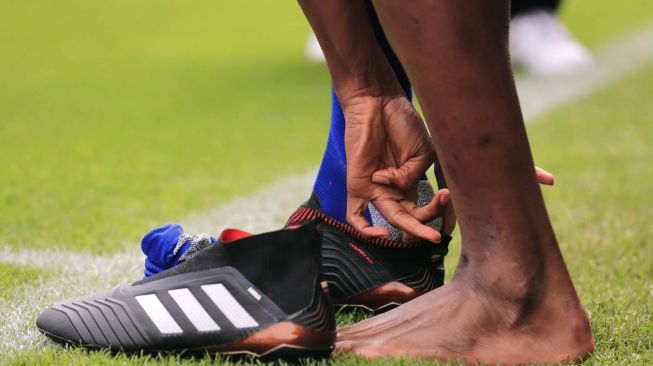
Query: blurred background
{"type": "Point", "coordinates": [123, 112]}
{"type": "Point", "coordinates": [117, 116]}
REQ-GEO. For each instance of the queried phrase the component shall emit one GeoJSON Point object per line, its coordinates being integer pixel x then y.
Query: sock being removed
{"type": "Point", "coordinates": [168, 245]}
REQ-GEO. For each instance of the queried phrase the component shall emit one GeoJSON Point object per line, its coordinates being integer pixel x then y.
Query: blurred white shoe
{"type": "Point", "coordinates": [541, 44]}
{"type": "Point", "coordinates": [313, 49]}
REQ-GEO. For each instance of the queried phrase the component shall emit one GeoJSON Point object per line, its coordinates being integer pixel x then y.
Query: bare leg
{"type": "Point", "coordinates": [511, 299]}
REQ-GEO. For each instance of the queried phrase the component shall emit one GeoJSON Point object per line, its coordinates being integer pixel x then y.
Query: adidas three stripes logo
{"type": "Point", "coordinates": [195, 312]}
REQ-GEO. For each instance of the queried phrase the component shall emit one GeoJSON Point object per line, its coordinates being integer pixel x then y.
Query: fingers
{"type": "Point", "coordinates": [431, 210]}
{"type": "Point", "coordinates": [427, 213]}
{"type": "Point", "coordinates": [409, 173]}
{"type": "Point", "coordinates": [361, 224]}
{"type": "Point", "coordinates": [356, 217]}
{"type": "Point", "coordinates": [544, 177]}
{"type": "Point", "coordinates": [405, 215]}
{"type": "Point", "coordinates": [403, 177]}
{"type": "Point", "coordinates": [398, 216]}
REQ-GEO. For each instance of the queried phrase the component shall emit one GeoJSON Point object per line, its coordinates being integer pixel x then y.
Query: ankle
{"type": "Point", "coordinates": [524, 289]}
{"type": "Point", "coordinates": [515, 283]}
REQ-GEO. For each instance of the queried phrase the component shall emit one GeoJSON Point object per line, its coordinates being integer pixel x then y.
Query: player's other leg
{"type": "Point", "coordinates": [512, 300]}
{"type": "Point", "coordinates": [541, 43]}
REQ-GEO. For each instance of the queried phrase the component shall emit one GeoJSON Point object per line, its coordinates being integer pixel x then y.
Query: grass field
{"type": "Point", "coordinates": [118, 116]}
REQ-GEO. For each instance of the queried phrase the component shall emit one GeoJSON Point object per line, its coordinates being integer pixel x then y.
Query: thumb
{"type": "Point", "coordinates": [403, 177]}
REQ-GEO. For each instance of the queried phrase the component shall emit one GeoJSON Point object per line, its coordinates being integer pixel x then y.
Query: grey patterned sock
{"type": "Point", "coordinates": [198, 242]}
{"type": "Point", "coordinates": [425, 194]}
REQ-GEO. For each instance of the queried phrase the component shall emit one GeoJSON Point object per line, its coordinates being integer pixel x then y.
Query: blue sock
{"type": "Point", "coordinates": [331, 182]}
{"type": "Point", "coordinates": [168, 245]}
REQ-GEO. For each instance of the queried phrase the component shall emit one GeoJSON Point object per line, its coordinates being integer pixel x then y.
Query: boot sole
{"type": "Point", "coordinates": [380, 299]}
{"type": "Point", "coordinates": [284, 340]}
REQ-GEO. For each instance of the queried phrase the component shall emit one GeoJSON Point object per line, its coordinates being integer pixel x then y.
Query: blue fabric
{"type": "Point", "coordinates": [331, 181]}
{"type": "Point", "coordinates": [158, 246]}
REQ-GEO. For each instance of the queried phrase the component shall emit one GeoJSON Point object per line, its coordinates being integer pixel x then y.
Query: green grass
{"type": "Point", "coordinates": [13, 277]}
{"type": "Point", "coordinates": [595, 22]}
{"type": "Point", "coordinates": [601, 207]}
{"type": "Point", "coordinates": [116, 116]}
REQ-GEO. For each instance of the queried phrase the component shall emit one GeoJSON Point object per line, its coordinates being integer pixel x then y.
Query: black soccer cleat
{"type": "Point", "coordinates": [373, 274]}
{"type": "Point", "coordinates": [259, 295]}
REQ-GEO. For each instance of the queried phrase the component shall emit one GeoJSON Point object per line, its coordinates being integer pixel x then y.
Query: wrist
{"type": "Point", "coordinates": [367, 81]}
{"type": "Point", "coordinates": [369, 100]}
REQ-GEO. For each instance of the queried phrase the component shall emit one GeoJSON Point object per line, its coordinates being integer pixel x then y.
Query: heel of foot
{"type": "Point", "coordinates": [582, 335]}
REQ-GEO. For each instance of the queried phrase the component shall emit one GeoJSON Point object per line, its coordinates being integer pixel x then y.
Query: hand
{"type": "Point", "coordinates": [388, 151]}
{"type": "Point", "coordinates": [384, 132]}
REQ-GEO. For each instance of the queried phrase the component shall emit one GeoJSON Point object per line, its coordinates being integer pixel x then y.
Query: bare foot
{"type": "Point", "coordinates": [474, 320]}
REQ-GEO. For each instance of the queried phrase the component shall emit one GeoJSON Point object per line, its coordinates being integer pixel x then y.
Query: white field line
{"type": "Point", "coordinates": [81, 273]}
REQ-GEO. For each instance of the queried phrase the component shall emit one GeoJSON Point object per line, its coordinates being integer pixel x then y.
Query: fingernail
{"type": "Point", "coordinates": [380, 180]}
